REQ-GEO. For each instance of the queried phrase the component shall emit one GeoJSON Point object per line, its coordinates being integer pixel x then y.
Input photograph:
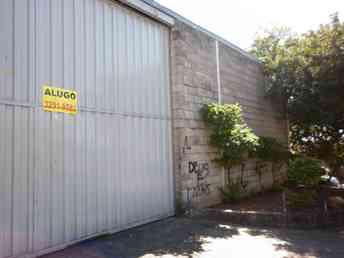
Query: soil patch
{"type": "Point", "coordinates": [265, 202]}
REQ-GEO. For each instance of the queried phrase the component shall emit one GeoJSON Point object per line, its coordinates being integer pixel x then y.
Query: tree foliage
{"type": "Point", "coordinates": [307, 72]}
{"type": "Point", "coordinates": [305, 171]}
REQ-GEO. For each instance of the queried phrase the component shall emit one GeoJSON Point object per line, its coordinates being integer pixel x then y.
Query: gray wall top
{"type": "Point", "coordinates": [176, 16]}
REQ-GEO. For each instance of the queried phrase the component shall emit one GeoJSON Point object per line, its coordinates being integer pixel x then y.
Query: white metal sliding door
{"type": "Point", "coordinates": [65, 178]}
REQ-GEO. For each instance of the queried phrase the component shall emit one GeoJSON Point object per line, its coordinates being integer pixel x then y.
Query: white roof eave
{"type": "Point", "coordinates": [168, 17]}
{"type": "Point", "coordinates": [151, 11]}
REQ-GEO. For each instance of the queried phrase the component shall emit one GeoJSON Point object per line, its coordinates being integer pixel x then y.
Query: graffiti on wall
{"type": "Point", "coordinates": [186, 146]}
{"type": "Point", "coordinates": [201, 170]}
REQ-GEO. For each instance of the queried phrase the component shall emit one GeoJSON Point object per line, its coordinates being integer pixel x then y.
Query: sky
{"type": "Point", "coordinates": [239, 21]}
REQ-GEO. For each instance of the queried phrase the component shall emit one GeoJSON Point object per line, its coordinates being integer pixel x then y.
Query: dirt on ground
{"type": "Point", "coordinates": [266, 202]}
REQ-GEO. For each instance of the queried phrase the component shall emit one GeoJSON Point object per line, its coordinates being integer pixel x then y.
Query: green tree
{"type": "Point", "coordinates": [306, 72]}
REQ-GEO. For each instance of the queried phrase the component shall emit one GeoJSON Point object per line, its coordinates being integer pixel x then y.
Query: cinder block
{"type": "Point", "coordinates": [194, 83]}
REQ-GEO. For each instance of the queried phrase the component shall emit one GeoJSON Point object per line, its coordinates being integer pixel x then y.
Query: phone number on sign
{"type": "Point", "coordinates": [59, 106]}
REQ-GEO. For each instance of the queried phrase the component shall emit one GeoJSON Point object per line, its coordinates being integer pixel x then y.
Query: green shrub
{"type": "Point", "coordinates": [233, 139]}
{"type": "Point", "coordinates": [276, 188]}
{"type": "Point", "coordinates": [232, 192]}
{"type": "Point", "coordinates": [270, 150]}
{"type": "Point", "coordinates": [180, 208]}
{"type": "Point", "coordinates": [301, 199]}
{"type": "Point", "coordinates": [305, 171]}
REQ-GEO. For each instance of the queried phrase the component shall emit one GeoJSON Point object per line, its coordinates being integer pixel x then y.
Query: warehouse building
{"type": "Point", "coordinates": [99, 118]}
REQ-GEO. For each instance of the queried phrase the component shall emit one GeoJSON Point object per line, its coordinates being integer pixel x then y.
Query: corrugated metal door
{"type": "Point", "coordinates": [66, 178]}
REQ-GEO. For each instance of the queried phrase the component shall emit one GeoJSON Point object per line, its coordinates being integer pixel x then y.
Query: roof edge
{"type": "Point", "coordinates": [177, 16]}
{"type": "Point", "coordinates": [150, 10]}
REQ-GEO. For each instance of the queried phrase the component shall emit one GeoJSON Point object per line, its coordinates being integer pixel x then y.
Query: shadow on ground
{"type": "Point", "coordinates": [305, 243]}
{"type": "Point", "coordinates": [190, 238]}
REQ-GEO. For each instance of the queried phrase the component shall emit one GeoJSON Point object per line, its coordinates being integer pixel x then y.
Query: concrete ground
{"type": "Point", "coordinates": [183, 237]}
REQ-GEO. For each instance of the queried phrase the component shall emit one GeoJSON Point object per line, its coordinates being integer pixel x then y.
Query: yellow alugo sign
{"type": "Point", "coordinates": [60, 100]}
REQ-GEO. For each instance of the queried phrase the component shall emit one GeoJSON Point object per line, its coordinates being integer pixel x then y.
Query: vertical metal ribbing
{"type": "Point", "coordinates": [106, 169]}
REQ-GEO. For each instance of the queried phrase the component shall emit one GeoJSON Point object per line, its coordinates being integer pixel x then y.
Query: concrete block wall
{"type": "Point", "coordinates": [242, 82]}
{"type": "Point", "coordinates": [194, 83]}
